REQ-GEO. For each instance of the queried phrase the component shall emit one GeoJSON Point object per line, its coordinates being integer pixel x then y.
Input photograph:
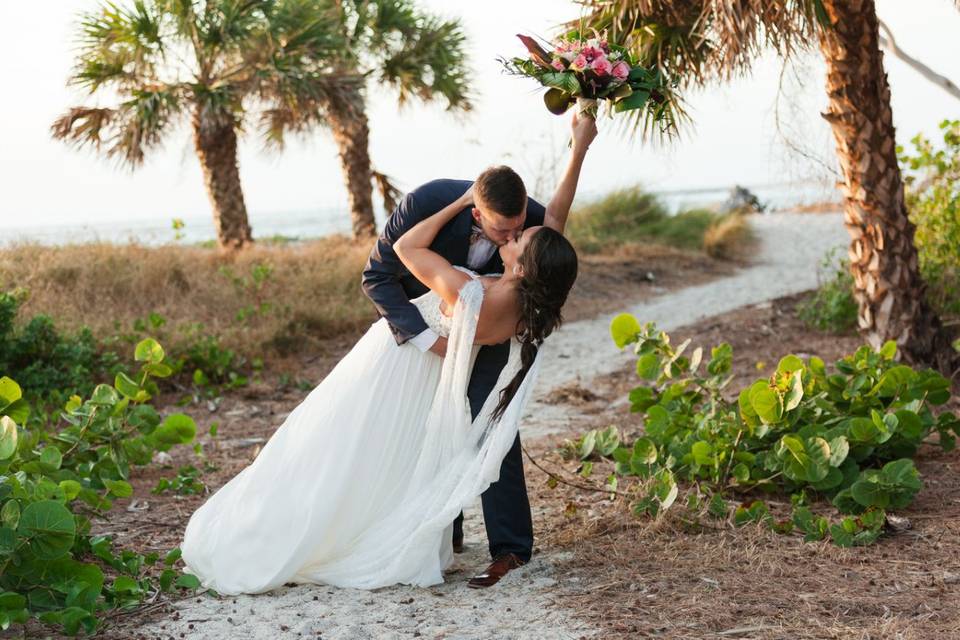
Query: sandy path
{"type": "Point", "coordinates": [519, 608]}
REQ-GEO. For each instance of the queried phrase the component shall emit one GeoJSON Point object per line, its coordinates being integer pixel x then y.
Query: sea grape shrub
{"type": "Point", "coordinates": [53, 482]}
{"type": "Point", "coordinates": [848, 434]}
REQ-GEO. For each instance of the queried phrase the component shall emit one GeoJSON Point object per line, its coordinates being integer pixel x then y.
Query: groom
{"type": "Point", "coordinates": [500, 213]}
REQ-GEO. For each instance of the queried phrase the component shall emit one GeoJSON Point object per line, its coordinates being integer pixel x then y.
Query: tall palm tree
{"type": "Point", "coordinates": [159, 61]}
{"type": "Point", "coordinates": [390, 43]}
{"type": "Point", "coordinates": [699, 41]}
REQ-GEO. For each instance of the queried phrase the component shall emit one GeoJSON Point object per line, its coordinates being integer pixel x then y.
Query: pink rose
{"type": "Point", "coordinates": [601, 66]}
{"type": "Point", "coordinates": [579, 63]}
{"type": "Point", "coordinates": [558, 64]}
{"type": "Point", "coordinates": [620, 71]}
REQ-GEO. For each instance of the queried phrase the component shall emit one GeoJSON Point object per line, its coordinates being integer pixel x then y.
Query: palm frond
{"type": "Point", "coordinates": [431, 63]}
{"type": "Point", "coordinates": [296, 105]}
{"type": "Point", "coordinates": [128, 131]}
{"type": "Point", "coordinates": [119, 45]}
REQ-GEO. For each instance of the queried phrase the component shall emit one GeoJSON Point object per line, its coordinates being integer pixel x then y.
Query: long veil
{"type": "Point", "coordinates": [459, 459]}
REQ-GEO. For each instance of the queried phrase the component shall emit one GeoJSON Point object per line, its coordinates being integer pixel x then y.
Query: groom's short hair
{"type": "Point", "coordinates": [501, 189]}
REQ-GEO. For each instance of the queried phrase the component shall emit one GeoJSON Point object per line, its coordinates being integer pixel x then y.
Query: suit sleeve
{"type": "Point", "coordinates": [381, 276]}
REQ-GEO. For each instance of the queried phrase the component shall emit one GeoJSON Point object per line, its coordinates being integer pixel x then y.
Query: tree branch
{"type": "Point", "coordinates": [887, 42]}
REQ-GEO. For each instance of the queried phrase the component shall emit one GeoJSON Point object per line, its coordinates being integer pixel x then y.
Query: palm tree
{"type": "Point", "coordinates": [214, 60]}
{"type": "Point", "coordinates": [698, 41]}
{"type": "Point", "coordinates": [392, 44]}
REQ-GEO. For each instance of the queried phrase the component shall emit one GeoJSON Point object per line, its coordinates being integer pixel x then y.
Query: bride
{"type": "Point", "coordinates": [360, 485]}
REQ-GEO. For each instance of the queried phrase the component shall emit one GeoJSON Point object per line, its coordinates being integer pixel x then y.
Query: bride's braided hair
{"type": "Point", "coordinates": [549, 265]}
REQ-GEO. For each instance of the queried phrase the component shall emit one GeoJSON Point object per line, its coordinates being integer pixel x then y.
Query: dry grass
{"type": "Point", "coordinates": [728, 237]}
{"type": "Point", "coordinates": [314, 290]}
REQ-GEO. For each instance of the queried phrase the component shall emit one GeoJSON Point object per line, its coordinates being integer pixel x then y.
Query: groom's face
{"type": "Point", "coordinates": [500, 229]}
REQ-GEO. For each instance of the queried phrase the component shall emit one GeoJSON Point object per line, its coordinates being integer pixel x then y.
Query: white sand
{"type": "Point", "coordinates": [520, 607]}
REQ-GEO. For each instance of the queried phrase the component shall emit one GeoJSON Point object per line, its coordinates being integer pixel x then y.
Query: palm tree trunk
{"type": "Point", "coordinates": [887, 282]}
{"type": "Point", "coordinates": [348, 122]}
{"type": "Point", "coordinates": [216, 144]}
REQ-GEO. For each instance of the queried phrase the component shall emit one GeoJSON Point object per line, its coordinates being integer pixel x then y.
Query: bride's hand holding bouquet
{"type": "Point", "coordinates": [590, 70]}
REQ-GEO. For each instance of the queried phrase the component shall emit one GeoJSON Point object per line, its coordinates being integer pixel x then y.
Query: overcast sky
{"type": "Point", "coordinates": [734, 141]}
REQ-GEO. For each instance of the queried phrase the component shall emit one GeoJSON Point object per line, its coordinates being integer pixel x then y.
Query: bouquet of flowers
{"type": "Point", "coordinates": [587, 70]}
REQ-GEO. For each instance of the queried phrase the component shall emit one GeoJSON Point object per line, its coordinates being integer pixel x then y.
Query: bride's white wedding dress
{"type": "Point", "coordinates": [361, 483]}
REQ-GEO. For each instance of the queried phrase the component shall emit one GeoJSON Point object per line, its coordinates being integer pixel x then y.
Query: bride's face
{"type": "Point", "coordinates": [511, 251]}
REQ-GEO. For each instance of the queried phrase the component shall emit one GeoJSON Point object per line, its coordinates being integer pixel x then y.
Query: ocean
{"type": "Point", "coordinates": [316, 223]}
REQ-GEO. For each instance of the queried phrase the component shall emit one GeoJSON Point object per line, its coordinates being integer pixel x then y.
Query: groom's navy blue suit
{"type": "Point", "coordinates": [506, 508]}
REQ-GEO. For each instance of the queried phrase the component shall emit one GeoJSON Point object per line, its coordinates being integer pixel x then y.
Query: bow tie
{"type": "Point", "coordinates": [476, 234]}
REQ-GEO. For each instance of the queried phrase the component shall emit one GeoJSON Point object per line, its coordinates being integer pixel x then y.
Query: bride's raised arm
{"type": "Point", "coordinates": [427, 266]}
{"type": "Point", "coordinates": [584, 131]}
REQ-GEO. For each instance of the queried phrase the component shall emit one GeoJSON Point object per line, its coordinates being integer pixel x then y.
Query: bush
{"type": "Point", "coordinates": [51, 364]}
{"type": "Point", "coordinates": [631, 215]}
{"type": "Point", "coordinates": [832, 307]}
{"type": "Point", "coordinates": [932, 179]}
{"type": "Point", "coordinates": [53, 482]}
{"type": "Point", "coordinates": [727, 237]}
{"type": "Point", "coordinates": [847, 435]}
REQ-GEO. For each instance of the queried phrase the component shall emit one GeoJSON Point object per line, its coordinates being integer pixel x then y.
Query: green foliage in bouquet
{"type": "Point", "coordinates": [847, 435]}
{"type": "Point", "coordinates": [53, 482]}
{"type": "Point", "coordinates": [590, 67]}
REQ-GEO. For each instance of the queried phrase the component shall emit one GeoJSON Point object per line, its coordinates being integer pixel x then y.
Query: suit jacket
{"type": "Point", "coordinates": [388, 283]}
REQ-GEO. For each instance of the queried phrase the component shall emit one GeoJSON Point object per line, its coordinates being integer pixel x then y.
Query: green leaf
{"type": "Point", "coordinates": [125, 385]}
{"type": "Point", "coordinates": [10, 514]}
{"type": "Point", "coordinates": [702, 453]}
{"type": "Point", "coordinates": [172, 556]}
{"type": "Point", "coordinates": [71, 488]}
{"type": "Point", "coordinates": [901, 473]}
{"type": "Point", "coordinates": [158, 370]}
{"type": "Point", "coordinates": [608, 440]}
{"type": "Point", "coordinates": [51, 457]}
{"type": "Point", "coordinates": [119, 488]}
{"type": "Point", "coordinates": [870, 494]}
{"type": "Point", "coordinates": [888, 350]}
{"type": "Point", "coordinates": [644, 451]}
{"type": "Point", "coordinates": [624, 329]}
{"type": "Point", "coordinates": [8, 437]}
{"type": "Point", "coordinates": [187, 581]}
{"type": "Point", "coordinates": [565, 81]}
{"type": "Point", "coordinates": [741, 473]}
{"type": "Point", "coordinates": [795, 393]}
{"type": "Point", "coordinates": [839, 450]}
{"type": "Point", "coordinates": [50, 528]}
{"type": "Point", "coordinates": [10, 392]}
{"type": "Point", "coordinates": [635, 100]}
{"type": "Point", "coordinates": [862, 430]}
{"type": "Point", "coordinates": [126, 584]}
{"type": "Point", "coordinates": [104, 394]}
{"type": "Point", "coordinates": [766, 402]}
{"type": "Point", "coordinates": [177, 428]}
{"type": "Point", "coordinates": [167, 576]}
{"type": "Point", "coordinates": [790, 364]}
{"type": "Point", "coordinates": [648, 366]}
{"type": "Point", "coordinates": [148, 350]}
{"type": "Point", "coordinates": [666, 489]}
{"type": "Point", "coordinates": [588, 443]}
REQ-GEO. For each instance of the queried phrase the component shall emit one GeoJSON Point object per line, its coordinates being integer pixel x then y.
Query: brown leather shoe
{"type": "Point", "coordinates": [497, 569]}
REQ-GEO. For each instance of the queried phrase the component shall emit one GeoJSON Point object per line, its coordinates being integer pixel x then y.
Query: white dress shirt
{"type": "Point", "coordinates": [480, 251]}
